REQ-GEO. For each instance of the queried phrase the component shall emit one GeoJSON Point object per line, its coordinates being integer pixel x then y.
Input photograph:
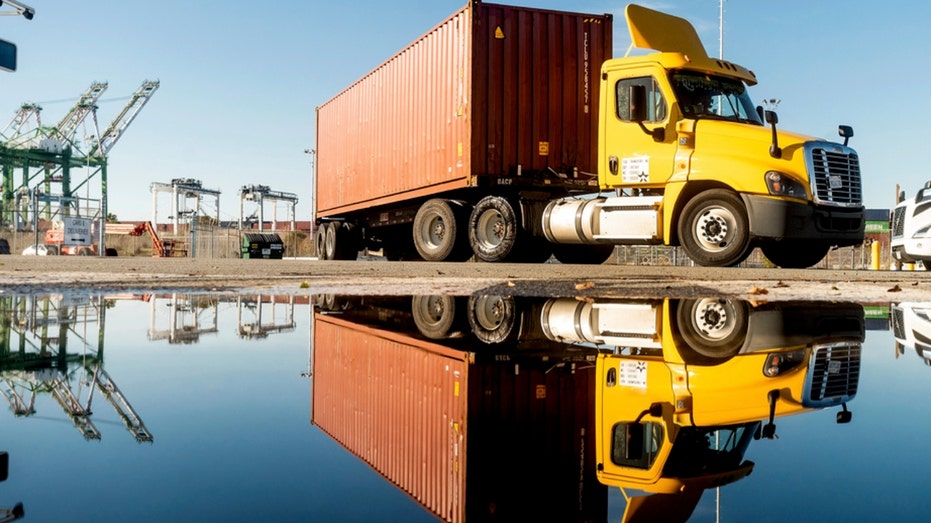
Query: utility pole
{"type": "Point", "coordinates": [721, 29]}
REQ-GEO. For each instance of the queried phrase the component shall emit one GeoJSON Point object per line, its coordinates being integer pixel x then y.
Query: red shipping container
{"type": "Point", "coordinates": [490, 91]}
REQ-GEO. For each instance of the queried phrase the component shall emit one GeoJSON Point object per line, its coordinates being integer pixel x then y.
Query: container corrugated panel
{"type": "Point", "coordinates": [397, 404]}
{"type": "Point", "coordinates": [533, 426]}
{"type": "Point", "coordinates": [487, 90]}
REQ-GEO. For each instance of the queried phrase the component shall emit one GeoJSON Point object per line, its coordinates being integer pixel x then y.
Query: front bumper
{"type": "Point", "coordinates": [911, 250]}
{"type": "Point", "coordinates": [777, 219]}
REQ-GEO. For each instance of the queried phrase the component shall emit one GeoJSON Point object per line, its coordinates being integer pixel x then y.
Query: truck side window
{"type": "Point", "coordinates": [656, 108]}
{"type": "Point", "coordinates": [636, 445]}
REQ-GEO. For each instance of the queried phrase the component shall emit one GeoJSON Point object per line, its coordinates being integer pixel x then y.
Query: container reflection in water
{"type": "Point", "coordinates": [680, 389]}
{"type": "Point", "coordinates": [462, 432]}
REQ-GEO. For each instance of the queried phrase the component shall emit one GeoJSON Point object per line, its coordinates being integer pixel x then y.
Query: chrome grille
{"type": "Point", "coordinates": [835, 175]}
{"type": "Point", "coordinates": [835, 373]}
{"type": "Point", "coordinates": [898, 222]}
{"type": "Point", "coordinates": [898, 323]}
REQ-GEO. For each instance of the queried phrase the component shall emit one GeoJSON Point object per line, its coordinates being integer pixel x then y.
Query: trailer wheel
{"type": "Point", "coordinates": [435, 316]}
{"type": "Point", "coordinates": [795, 255]}
{"type": "Point", "coordinates": [111, 252]}
{"type": "Point", "coordinates": [320, 241]}
{"type": "Point", "coordinates": [439, 231]}
{"type": "Point", "coordinates": [340, 242]}
{"type": "Point", "coordinates": [583, 254]}
{"type": "Point", "coordinates": [84, 251]}
{"type": "Point", "coordinates": [714, 329]}
{"type": "Point", "coordinates": [714, 229]}
{"type": "Point", "coordinates": [493, 319]}
{"type": "Point", "coordinates": [494, 228]}
{"type": "Point", "coordinates": [51, 250]}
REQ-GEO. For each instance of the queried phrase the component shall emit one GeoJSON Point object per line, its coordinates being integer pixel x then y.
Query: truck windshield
{"type": "Point", "coordinates": [702, 95]}
{"type": "Point", "coordinates": [703, 450]}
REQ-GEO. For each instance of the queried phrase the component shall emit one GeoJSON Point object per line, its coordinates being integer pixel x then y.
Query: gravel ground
{"type": "Point", "coordinates": [41, 274]}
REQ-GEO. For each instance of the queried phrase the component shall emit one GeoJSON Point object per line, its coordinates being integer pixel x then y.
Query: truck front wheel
{"type": "Point", "coordinates": [494, 227]}
{"type": "Point", "coordinates": [714, 229]}
{"type": "Point", "coordinates": [713, 329]}
{"type": "Point", "coordinates": [439, 231]}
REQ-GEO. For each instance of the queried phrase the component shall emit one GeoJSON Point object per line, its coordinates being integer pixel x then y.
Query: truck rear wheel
{"type": "Point", "coordinates": [494, 227]}
{"type": "Point", "coordinates": [493, 318]}
{"type": "Point", "coordinates": [714, 229]}
{"type": "Point", "coordinates": [84, 251]}
{"type": "Point", "coordinates": [435, 316]}
{"type": "Point", "coordinates": [439, 231]}
{"type": "Point", "coordinates": [51, 250]}
{"type": "Point", "coordinates": [795, 255]}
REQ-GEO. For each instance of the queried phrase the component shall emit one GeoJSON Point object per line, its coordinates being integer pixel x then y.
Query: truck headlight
{"type": "Point", "coordinates": [781, 362]}
{"type": "Point", "coordinates": [780, 184]}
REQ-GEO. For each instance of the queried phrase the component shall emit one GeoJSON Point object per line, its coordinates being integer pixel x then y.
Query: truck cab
{"type": "Point", "coordinates": [694, 163]}
{"type": "Point", "coordinates": [690, 383]}
{"type": "Point", "coordinates": [911, 228]}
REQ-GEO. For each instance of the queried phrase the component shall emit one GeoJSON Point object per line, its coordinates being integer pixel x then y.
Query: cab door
{"type": "Point", "coordinates": [631, 157]}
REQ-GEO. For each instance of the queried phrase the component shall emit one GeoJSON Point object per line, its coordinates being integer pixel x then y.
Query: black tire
{"type": "Point", "coordinates": [329, 245]}
{"type": "Point", "coordinates": [84, 251]}
{"type": "Point", "coordinates": [340, 242]}
{"type": "Point", "coordinates": [111, 252]}
{"type": "Point", "coordinates": [320, 241]}
{"type": "Point", "coordinates": [795, 255]}
{"type": "Point", "coordinates": [493, 319]}
{"type": "Point", "coordinates": [440, 231]}
{"type": "Point", "coordinates": [494, 228]}
{"type": "Point", "coordinates": [712, 328]}
{"type": "Point", "coordinates": [346, 238]}
{"type": "Point", "coordinates": [435, 316]}
{"type": "Point", "coordinates": [714, 229]}
{"type": "Point", "coordinates": [583, 254]}
{"type": "Point", "coordinates": [51, 250]}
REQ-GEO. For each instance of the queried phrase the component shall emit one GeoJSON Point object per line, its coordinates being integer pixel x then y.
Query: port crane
{"type": "Point", "coordinates": [260, 193]}
{"type": "Point", "coordinates": [33, 157]}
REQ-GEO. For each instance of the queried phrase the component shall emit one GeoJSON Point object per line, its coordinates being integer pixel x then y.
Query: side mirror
{"type": "Point", "coordinates": [772, 119]}
{"type": "Point", "coordinates": [846, 132]}
{"type": "Point", "coordinates": [637, 105]}
{"type": "Point", "coordinates": [637, 98]}
{"type": "Point", "coordinates": [635, 438]}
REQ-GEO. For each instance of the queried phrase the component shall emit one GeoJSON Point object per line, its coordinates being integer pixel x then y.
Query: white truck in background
{"type": "Point", "coordinates": [911, 228]}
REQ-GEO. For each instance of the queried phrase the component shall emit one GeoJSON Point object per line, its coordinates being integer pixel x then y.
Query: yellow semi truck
{"type": "Point", "coordinates": [690, 383]}
{"type": "Point", "coordinates": [694, 165]}
{"type": "Point", "coordinates": [528, 139]}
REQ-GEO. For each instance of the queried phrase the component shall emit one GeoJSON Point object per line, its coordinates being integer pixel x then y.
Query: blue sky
{"type": "Point", "coordinates": [239, 81]}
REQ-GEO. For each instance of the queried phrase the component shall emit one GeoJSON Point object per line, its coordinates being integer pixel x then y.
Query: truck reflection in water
{"type": "Point", "coordinates": [911, 328]}
{"type": "Point", "coordinates": [459, 401]}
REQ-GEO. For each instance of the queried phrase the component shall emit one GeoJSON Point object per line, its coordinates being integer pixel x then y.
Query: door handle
{"type": "Point", "coordinates": [612, 164]}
